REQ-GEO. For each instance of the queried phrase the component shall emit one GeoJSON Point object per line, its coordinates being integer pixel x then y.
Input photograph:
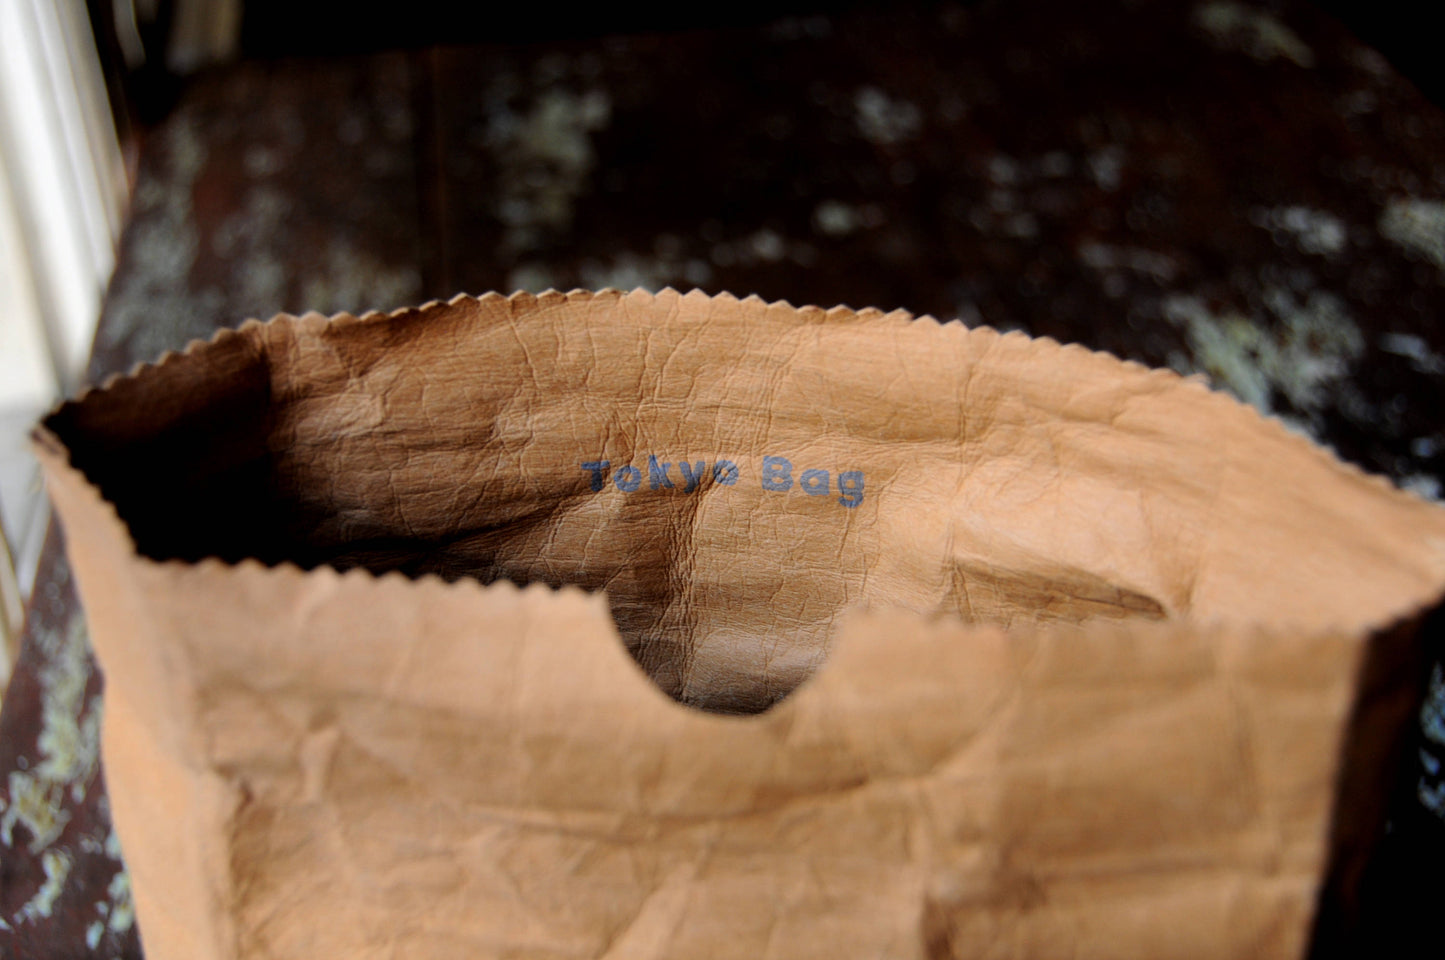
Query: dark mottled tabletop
{"type": "Point", "coordinates": [1220, 187]}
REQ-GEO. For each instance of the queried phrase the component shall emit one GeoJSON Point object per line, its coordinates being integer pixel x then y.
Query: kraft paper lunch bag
{"type": "Point", "coordinates": [616, 625]}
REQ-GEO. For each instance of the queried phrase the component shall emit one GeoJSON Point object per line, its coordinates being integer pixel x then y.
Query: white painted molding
{"type": "Point", "coordinates": [62, 197]}
{"type": "Point", "coordinates": [66, 184]}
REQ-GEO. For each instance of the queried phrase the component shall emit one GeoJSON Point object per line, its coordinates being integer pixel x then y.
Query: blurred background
{"type": "Point", "coordinates": [1249, 190]}
{"type": "Point", "coordinates": [938, 157]}
{"type": "Point", "coordinates": [915, 155]}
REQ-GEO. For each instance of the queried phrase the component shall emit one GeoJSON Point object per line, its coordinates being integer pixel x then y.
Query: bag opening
{"type": "Point", "coordinates": [734, 475]}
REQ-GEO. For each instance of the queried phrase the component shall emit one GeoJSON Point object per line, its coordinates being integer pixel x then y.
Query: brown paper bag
{"type": "Point", "coordinates": [1080, 659]}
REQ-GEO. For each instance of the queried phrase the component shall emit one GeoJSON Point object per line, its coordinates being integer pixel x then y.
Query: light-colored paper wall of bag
{"type": "Point", "coordinates": [995, 755]}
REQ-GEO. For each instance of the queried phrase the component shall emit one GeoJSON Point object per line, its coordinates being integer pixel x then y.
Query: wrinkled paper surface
{"type": "Point", "coordinates": [676, 626]}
